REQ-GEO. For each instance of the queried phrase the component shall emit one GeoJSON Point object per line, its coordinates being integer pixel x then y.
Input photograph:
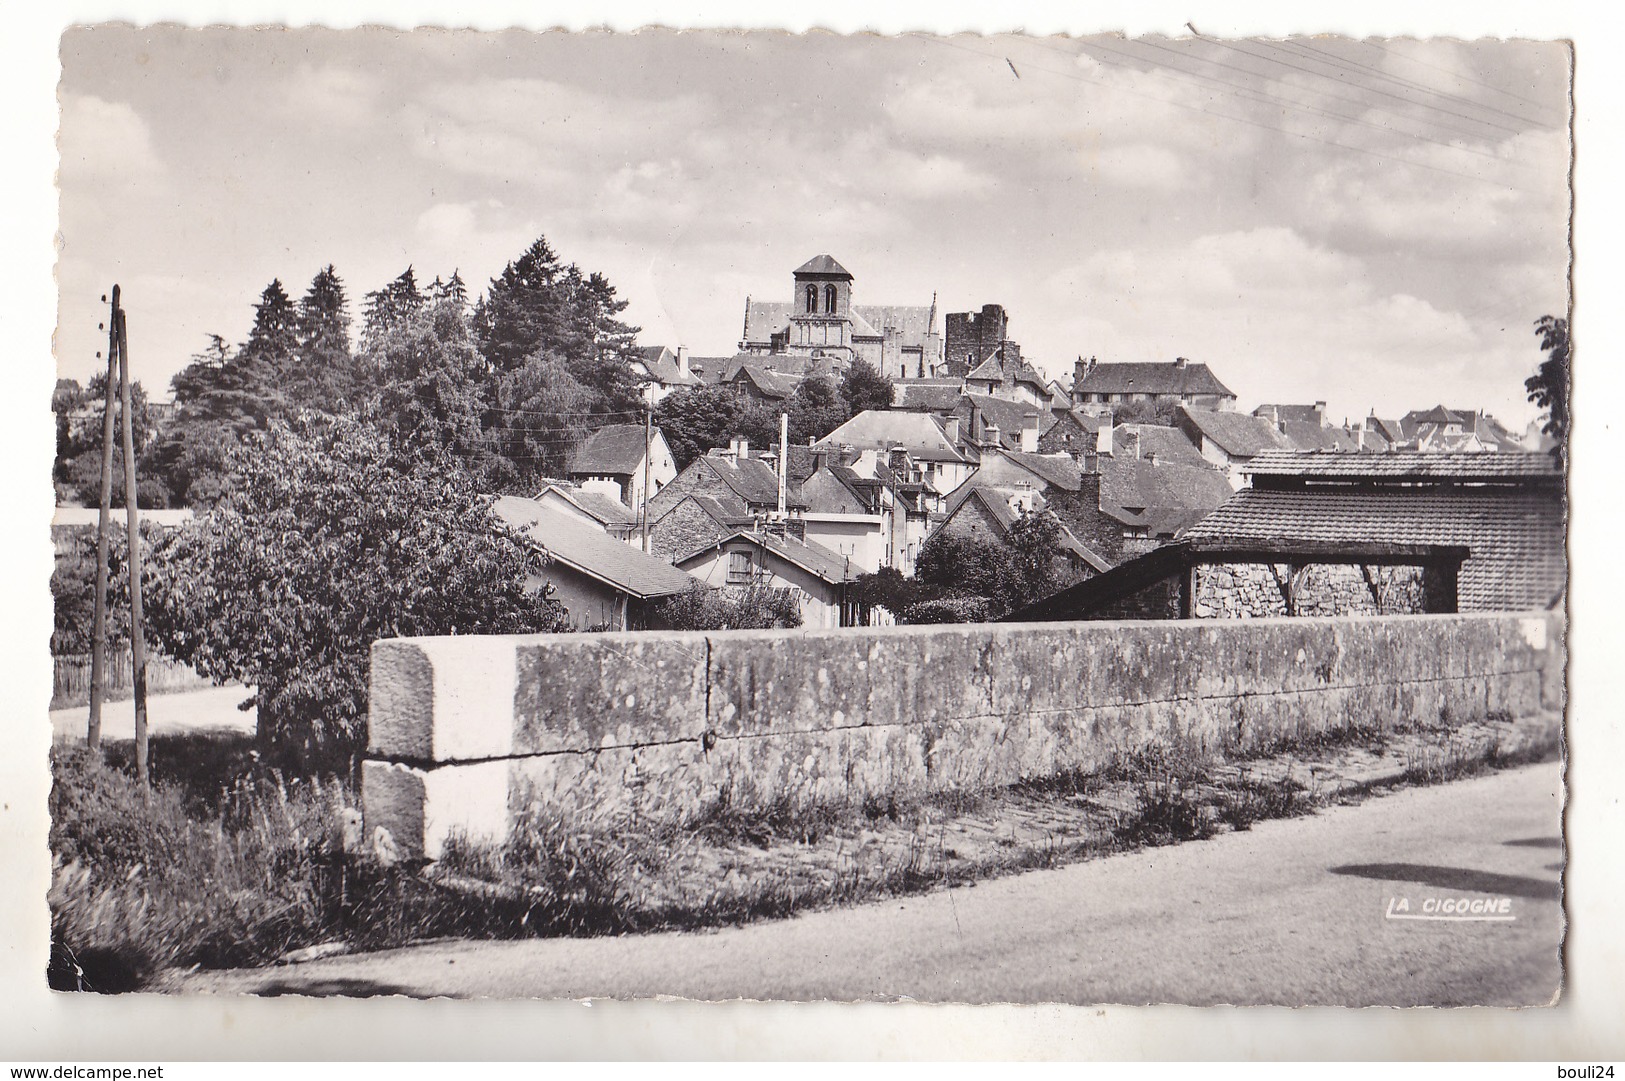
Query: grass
{"type": "Point", "coordinates": [218, 871]}
{"type": "Point", "coordinates": [227, 863]}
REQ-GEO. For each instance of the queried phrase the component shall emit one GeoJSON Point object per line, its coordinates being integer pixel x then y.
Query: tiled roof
{"type": "Point", "coordinates": [617, 448]}
{"type": "Point", "coordinates": [591, 551]}
{"type": "Point", "coordinates": [1311, 436]}
{"type": "Point", "coordinates": [1405, 465]}
{"type": "Point", "coordinates": [1140, 377]}
{"type": "Point", "coordinates": [1240, 435]}
{"type": "Point", "coordinates": [1306, 413]}
{"type": "Point", "coordinates": [882, 429]}
{"type": "Point", "coordinates": [1516, 534]}
{"type": "Point", "coordinates": [823, 264]}
{"type": "Point", "coordinates": [993, 368]}
{"type": "Point", "coordinates": [662, 367]}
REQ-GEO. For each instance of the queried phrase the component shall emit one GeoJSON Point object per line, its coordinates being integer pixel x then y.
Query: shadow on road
{"type": "Point", "coordinates": [1456, 878]}
{"type": "Point", "coordinates": [1536, 842]}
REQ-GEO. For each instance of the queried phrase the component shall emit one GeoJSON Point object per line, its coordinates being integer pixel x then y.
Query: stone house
{"type": "Point", "coordinates": [1096, 387]}
{"type": "Point", "coordinates": [662, 371]}
{"type": "Point", "coordinates": [612, 460]}
{"type": "Point", "coordinates": [986, 513]}
{"type": "Point", "coordinates": [1230, 440]}
{"type": "Point", "coordinates": [932, 457]}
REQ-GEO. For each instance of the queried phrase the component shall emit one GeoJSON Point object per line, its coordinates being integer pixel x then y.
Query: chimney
{"type": "Point", "coordinates": [739, 448]}
{"type": "Point", "coordinates": [682, 361]}
{"type": "Point", "coordinates": [950, 428]}
{"type": "Point", "coordinates": [820, 458]}
{"type": "Point", "coordinates": [990, 435]}
{"type": "Point", "coordinates": [1103, 441]}
{"type": "Point", "coordinates": [1320, 412]}
{"type": "Point", "coordinates": [897, 461]}
{"type": "Point", "coordinates": [1089, 488]}
{"type": "Point", "coordinates": [1029, 433]}
{"type": "Point", "coordinates": [1181, 362]}
{"type": "Point", "coordinates": [849, 454]}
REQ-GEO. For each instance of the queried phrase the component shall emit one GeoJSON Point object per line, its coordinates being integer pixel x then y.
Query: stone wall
{"type": "Point", "coordinates": [1249, 591]}
{"type": "Point", "coordinates": [468, 732]}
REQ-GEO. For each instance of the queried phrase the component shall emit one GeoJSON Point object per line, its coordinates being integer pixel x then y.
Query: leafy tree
{"type": "Point", "coordinates": [330, 535]}
{"type": "Point", "coordinates": [752, 607]}
{"type": "Point", "coordinates": [78, 469]}
{"type": "Point", "coordinates": [696, 419]}
{"type": "Point", "coordinates": [1036, 563]}
{"type": "Point", "coordinates": [890, 589]}
{"type": "Point", "coordinates": [960, 565]}
{"type": "Point", "coordinates": [429, 374]}
{"type": "Point", "coordinates": [1025, 566]}
{"type": "Point", "coordinates": [541, 412]}
{"type": "Point", "coordinates": [865, 388]}
{"type": "Point", "coordinates": [1549, 387]}
{"type": "Point", "coordinates": [816, 408]}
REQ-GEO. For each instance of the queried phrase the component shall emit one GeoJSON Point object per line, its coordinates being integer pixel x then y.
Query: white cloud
{"type": "Point", "coordinates": [104, 140]}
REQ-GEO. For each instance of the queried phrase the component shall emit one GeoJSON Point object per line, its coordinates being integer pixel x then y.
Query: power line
{"type": "Point", "coordinates": [1453, 74]}
{"type": "Point", "coordinates": [1269, 99]}
{"type": "Point", "coordinates": [1331, 59]}
{"type": "Point", "coordinates": [1236, 119]}
{"type": "Point", "coordinates": [1233, 47]}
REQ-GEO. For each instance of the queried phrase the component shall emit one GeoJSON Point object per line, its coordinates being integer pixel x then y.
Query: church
{"type": "Point", "coordinates": [820, 321]}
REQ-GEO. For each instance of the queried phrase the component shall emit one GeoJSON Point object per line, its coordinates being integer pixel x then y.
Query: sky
{"type": "Point", "coordinates": [1373, 224]}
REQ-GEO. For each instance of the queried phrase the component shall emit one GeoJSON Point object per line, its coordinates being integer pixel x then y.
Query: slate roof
{"type": "Point", "coordinates": [993, 368]}
{"type": "Point", "coordinates": [1150, 377]}
{"type": "Point", "coordinates": [1305, 413]}
{"type": "Point", "coordinates": [770, 384]}
{"type": "Point", "coordinates": [662, 367]}
{"type": "Point", "coordinates": [599, 505]}
{"type": "Point", "coordinates": [814, 558]}
{"type": "Point", "coordinates": [1056, 470]}
{"type": "Point", "coordinates": [1007, 415]}
{"type": "Point", "coordinates": [1309, 435]}
{"type": "Point", "coordinates": [710, 370]}
{"type": "Point", "coordinates": [1163, 443]}
{"type": "Point", "coordinates": [591, 551]}
{"type": "Point", "coordinates": [615, 449]}
{"type": "Point", "coordinates": [751, 479]}
{"type": "Point", "coordinates": [996, 500]}
{"type": "Point", "coordinates": [823, 264]}
{"type": "Point", "coordinates": [1164, 495]}
{"type": "Point", "coordinates": [1464, 466]}
{"type": "Point", "coordinates": [882, 429]}
{"type": "Point", "coordinates": [1240, 435]}
{"type": "Point", "coordinates": [729, 512]}
{"type": "Point", "coordinates": [1515, 533]}
{"type": "Point", "coordinates": [927, 395]}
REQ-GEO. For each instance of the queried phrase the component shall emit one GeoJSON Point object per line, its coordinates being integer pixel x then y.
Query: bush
{"type": "Point", "coordinates": [947, 610]}
{"type": "Point", "coordinates": [752, 607]}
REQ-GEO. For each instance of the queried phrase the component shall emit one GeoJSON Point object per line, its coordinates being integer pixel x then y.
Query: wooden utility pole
{"type": "Point", "coordinates": [648, 453]}
{"type": "Point", "coordinates": [98, 634]}
{"type": "Point", "coordinates": [138, 658]}
{"type": "Point", "coordinates": [784, 460]}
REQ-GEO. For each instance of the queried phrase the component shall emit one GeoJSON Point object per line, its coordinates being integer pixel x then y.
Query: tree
{"type": "Point", "coordinates": [816, 408]}
{"type": "Point", "coordinates": [1037, 566]}
{"type": "Point", "coordinates": [429, 391]}
{"type": "Point", "coordinates": [865, 388]}
{"type": "Point", "coordinates": [696, 419]}
{"type": "Point", "coordinates": [1162, 412]}
{"type": "Point", "coordinates": [1026, 565]}
{"type": "Point", "coordinates": [78, 469]}
{"type": "Point", "coordinates": [273, 340]}
{"type": "Point", "coordinates": [324, 377]}
{"type": "Point", "coordinates": [1549, 387]}
{"type": "Point", "coordinates": [330, 536]}
{"type": "Point", "coordinates": [541, 412]}
{"type": "Point", "coordinates": [390, 307]}
{"type": "Point", "coordinates": [523, 310]}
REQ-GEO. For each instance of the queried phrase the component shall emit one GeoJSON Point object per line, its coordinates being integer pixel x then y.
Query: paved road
{"type": "Point", "coordinates": [1289, 912]}
{"type": "Point", "coordinates": [211, 708]}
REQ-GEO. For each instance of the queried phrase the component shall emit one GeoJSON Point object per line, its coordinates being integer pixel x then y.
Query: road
{"type": "Point", "coordinates": [208, 709]}
{"type": "Point", "coordinates": [1290, 912]}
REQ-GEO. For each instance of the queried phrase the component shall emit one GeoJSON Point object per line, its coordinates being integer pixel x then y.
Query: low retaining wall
{"type": "Point", "coordinates": [468, 732]}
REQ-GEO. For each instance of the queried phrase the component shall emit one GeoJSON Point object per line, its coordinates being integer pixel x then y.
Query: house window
{"type": "Point", "coordinates": [739, 569]}
{"type": "Point", "coordinates": [812, 299]}
{"type": "Point", "coordinates": [829, 299]}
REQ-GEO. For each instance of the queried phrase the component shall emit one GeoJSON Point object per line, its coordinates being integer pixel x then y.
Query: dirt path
{"type": "Point", "coordinates": [1291, 911]}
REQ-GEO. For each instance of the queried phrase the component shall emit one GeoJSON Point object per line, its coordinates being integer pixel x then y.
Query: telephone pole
{"type": "Point", "coordinates": [648, 443]}
{"type": "Point", "coordinates": [138, 658]}
{"type": "Point", "coordinates": [98, 634]}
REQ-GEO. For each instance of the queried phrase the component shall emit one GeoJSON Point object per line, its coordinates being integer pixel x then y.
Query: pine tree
{"type": "Point", "coordinates": [390, 307]}
{"type": "Point", "coordinates": [325, 377]}
{"type": "Point", "coordinates": [522, 312]}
